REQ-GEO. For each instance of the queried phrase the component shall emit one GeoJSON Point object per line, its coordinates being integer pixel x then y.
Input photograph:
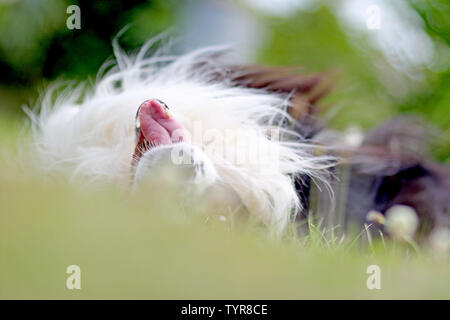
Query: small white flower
{"type": "Point", "coordinates": [353, 136]}
{"type": "Point", "coordinates": [401, 222]}
{"type": "Point", "coordinates": [223, 218]}
{"type": "Point", "coordinates": [440, 241]}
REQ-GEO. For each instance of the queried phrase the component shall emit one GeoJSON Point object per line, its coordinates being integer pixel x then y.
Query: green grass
{"type": "Point", "coordinates": [148, 247]}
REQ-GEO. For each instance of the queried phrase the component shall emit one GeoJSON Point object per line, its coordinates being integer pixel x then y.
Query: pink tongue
{"type": "Point", "coordinates": [157, 126]}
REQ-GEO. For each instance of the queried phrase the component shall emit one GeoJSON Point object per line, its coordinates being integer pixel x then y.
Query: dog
{"type": "Point", "coordinates": [249, 130]}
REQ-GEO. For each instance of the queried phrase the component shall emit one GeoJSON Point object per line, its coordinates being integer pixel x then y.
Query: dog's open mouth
{"type": "Point", "coordinates": [155, 125]}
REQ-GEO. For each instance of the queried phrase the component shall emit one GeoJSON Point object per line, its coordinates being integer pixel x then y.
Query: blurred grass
{"type": "Point", "coordinates": [148, 247]}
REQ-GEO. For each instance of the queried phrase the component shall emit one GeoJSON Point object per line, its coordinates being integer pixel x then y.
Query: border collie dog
{"type": "Point", "coordinates": [250, 131]}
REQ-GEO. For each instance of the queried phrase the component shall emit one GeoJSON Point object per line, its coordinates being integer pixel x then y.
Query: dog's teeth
{"type": "Point", "coordinates": [138, 123]}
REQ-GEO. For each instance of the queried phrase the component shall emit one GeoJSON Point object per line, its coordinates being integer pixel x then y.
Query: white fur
{"type": "Point", "coordinates": [92, 135]}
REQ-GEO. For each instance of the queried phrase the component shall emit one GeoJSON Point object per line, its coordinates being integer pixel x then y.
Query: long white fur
{"type": "Point", "coordinates": [92, 135]}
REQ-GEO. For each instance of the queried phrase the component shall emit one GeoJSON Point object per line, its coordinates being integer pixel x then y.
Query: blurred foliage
{"type": "Point", "coordinates": [316, 41]}
{"type": "Point", "coordinates": [26, 31]}
{"type": "Point", "coordinates": [435, 14]}
{"type": "Point", "coordinates": [434, 102]}
{"type": "Point", "coordinates": [42, 45]}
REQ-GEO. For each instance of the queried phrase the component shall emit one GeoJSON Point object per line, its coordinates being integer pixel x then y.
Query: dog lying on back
{"type": "Point", "coordinates": [248, 130]}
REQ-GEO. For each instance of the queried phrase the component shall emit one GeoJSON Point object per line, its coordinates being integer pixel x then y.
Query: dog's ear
{"type": "Point", "coordinates": [304, 91]}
